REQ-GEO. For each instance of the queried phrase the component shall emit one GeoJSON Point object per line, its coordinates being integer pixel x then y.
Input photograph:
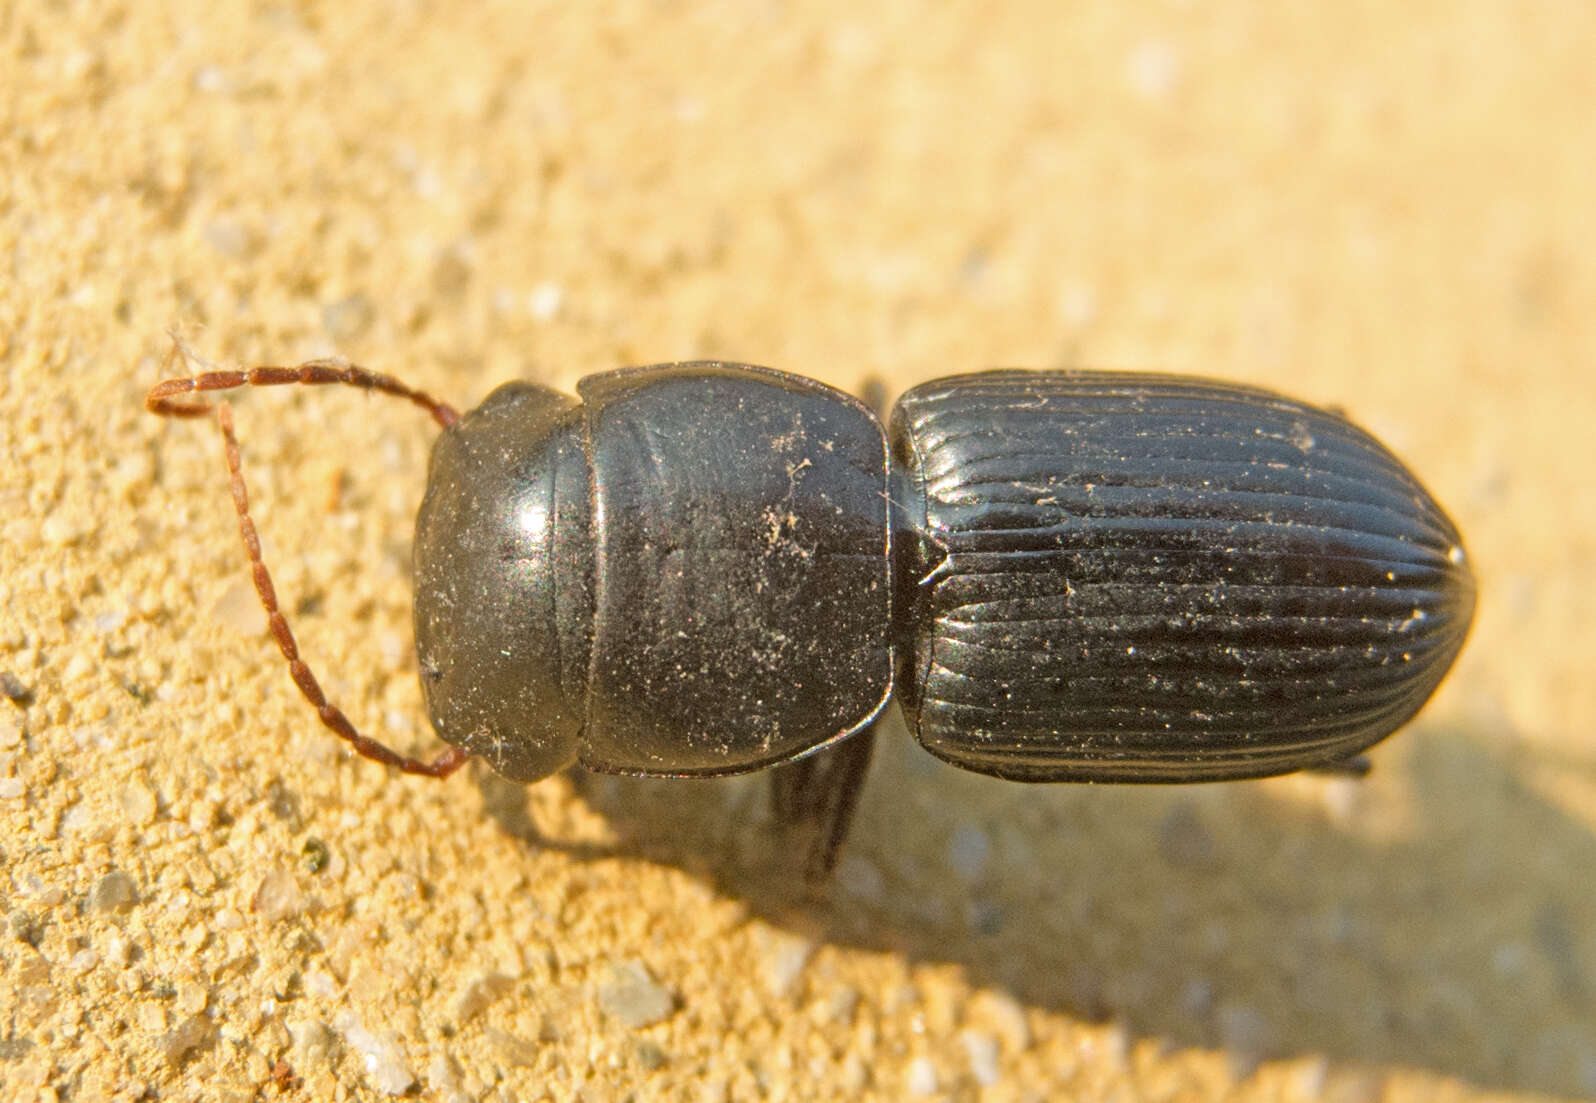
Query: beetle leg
{"type": "Point", "coordinates": [819, 794]}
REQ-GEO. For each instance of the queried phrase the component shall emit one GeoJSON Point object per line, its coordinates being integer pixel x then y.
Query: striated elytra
{"type": "Point", "coordinates": [709, 568]}
{"type": "Point", "coordinates": [1151, 578]}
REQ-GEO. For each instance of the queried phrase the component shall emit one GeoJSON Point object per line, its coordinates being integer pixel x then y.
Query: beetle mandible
{"type": "Point", "coordinates": [709, 568]}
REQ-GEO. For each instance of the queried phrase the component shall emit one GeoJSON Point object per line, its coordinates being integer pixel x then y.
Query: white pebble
{"type": "Point", "coordinates": [137, 803]}
{"type": "Point", "coordinates": [1006, 1015]}
{"type": "Point", "coordinates": [1117, 1046]}
{"type": "Point", "coordinates": [969, 851]}
{"type": "Point", "coordinates": [61, 529]}
{"type": "Point", "coordinates": [443, 1074]}
{"type": "Point", "coordinates": [860, 879]}
{"type": "Point", "coordinates": [1343, 800]}
{"type": "Point", "coordinates": [318, 982]}
{"type": "Point", "coordinates": [384, 1061]}
{"type": "Point", "coordinates": [783, 960]}
{"type": "Point", "coordinates": [312, 1042]}
{"type": "Point", "coordinates": [1311, 1078]}
{"type": "Point", "coordinates": [632, 997]}
{"type": "Point", "coordinates": [922, 1077]}
{"type": "Point", "coordinates": [11, 788]}
{"type": "Point", "coordinates": [982, 1050]}
{"type": "Point", "coordinates": [545, 301]}
{"type": "Point", "coordinates": [476, 997]}
{"type": "Point", "coordinates": [78, 666]}
{"type": "Point", "coordinates": [278, 896]}
{"type": "Point", "coordinates": [840, 1006]}
{"type": "Point", "coordinates": [1246, 1032]}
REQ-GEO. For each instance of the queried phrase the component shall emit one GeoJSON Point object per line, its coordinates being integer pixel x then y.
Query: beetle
{"type": "Point", "coordinates": [709, 568]}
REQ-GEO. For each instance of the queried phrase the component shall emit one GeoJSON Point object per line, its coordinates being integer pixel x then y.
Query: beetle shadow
{"type": "Point", "coordinates": [1440, 916]}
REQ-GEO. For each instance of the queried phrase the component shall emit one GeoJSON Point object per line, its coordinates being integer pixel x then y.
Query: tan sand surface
{"type": "Point", "coordinates": [1386, 207]}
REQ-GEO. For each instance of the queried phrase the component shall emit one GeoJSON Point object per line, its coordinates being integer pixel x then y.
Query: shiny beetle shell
{"type": "Point", "coordinates": [1081, 576]}
{"type": "Point", "coordinates": [1121, 577]}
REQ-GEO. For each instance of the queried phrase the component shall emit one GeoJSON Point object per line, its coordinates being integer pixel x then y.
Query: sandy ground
{"type": "Point", "coordinates": [1384, 207]}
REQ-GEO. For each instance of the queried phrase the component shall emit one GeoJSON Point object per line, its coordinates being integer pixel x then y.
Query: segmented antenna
{"type": "Point", "coordinates": [167, 400]}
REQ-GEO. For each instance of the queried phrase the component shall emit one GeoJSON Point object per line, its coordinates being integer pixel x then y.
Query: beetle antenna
{"type": "Point", "coordinates": [162, 400]}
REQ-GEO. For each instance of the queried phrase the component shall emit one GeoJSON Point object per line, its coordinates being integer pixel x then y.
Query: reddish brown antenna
{"type": "Point", "coordinates": [165, 399]}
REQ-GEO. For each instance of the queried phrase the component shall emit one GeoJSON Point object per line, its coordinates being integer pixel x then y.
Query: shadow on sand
{"type": "Point", "coordinates": [1270, 917]}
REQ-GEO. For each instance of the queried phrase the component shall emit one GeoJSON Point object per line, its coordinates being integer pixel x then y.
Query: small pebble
{"type": "Point", "coordinates": [1247, 1033]}
{"type": "Point", "coordinates": [1343, 799]}
{"type": "Point", "coordinates": [137, 803]}
{"type": "Point", "coordinates": [11, 788]}
{"type": "Point", "coordinates": [24, 927]}
{"type": "Point", "coordinates": [516, 1050]}
{"type": "Point", "coordinates": [443, 1075]}
{"type": "Point", "coordinates": [1005, 1014]}
{"type": "Point", "coordinates": [632, 997]}
{"type": "Point", "coordinates": [545, 301]}
{"type": "Point", "coordinates": [282, 801]}
{"type": "Point", "coordinates": [41, 890]}
{"type": "Point", "coordinates": [969, 851]}
{"type": "Point", "coordinates": [183, 1039]}
{"type": "Point", "coordinates": [783, 960]}
{"type": "Point", "coordinates": [238, 609]}
{"type": "Point", "coordinates": [118, 952]}
{"type": "Point", "coordinates": [312, 1042]}
{"type": "Point", "coordinates": [229, 238]}
{"type": "Point", "coordinates": [479, 993]}
{"type": "Point", "coordinates": [78, 666]}
{"type": "Point", "coordinates": [278, 897]}
{"type": "Point", "coordinates": [922, 1077]}
{"type": "Point", "coordinates": [650, 1056]}
{"type": "Point", "coordinates": [192, 997]}
{"type": "Point", "coordinates": [982, 1050]}
{"type": "Point", "coordinates": [1117, 1046]}
{"type": "Point", "coordinates": [315, 854]}
{"type": "Point", "coordinates": [13, 689]}
{"type": "Point", "coordinates": [860, 879]}
{"type": "Point", "coordinates": [1354, 1085]}
{"type": "Point", "coordinates": [381, 1056]}
{"type": "Point", "coordinates": [840, 1007]}
{"type": "Point", "coordinates": [114, 892]}
{"type": "Point", "coordinates": [60, 530]}
{"type": "Point", "coordinates": [319, 982]}
{"type": "Point", "coordinates": [1310, 1078]}
{"type": "Point", "coordinates": [854, 1075]}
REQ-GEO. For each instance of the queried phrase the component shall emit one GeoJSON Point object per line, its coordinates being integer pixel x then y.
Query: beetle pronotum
{"type": "Point", "coordinates": [709, 568]}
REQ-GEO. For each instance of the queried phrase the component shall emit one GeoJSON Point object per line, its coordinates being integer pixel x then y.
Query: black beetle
{"type": "Point", "coordinates": [708, 568]}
